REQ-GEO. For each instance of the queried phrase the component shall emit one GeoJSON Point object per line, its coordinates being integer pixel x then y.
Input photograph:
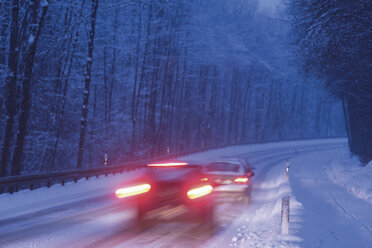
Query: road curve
{"type": "Point", "coordinates": [101, 221]}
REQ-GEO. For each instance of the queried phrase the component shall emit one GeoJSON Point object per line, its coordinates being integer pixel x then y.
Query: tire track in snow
{"type": "Point", "coordinates": [343, 209]}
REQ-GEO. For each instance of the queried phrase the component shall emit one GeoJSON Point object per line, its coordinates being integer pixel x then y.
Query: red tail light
{"type": "Point", "coordinates": [134, 190]}
{"type": "Point", "coordinates": [241, 180]}
{"type": "Point", "coordinates": [199, 192]}
{"type": "Point", "coordinates": [172, 164]}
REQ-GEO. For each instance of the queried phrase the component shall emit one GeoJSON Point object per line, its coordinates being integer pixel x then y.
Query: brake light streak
{"type": "Point", "coordinates": [199, 192]}
{"type": "Point", "coordinates": [167, 164]}
{"type": "Point", "coordinates": [134, 190]}
{"type": "Point", "coordinates": [241, 180]}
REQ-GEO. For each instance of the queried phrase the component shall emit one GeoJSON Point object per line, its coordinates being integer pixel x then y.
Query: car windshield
{"type": "Point", "coordinates": [222, 166]}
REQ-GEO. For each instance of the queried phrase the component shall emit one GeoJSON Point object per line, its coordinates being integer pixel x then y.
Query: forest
{"type": "Point", "coordinates": [140, 79]}
{"type": "Point", "coordinates": [334, 40]}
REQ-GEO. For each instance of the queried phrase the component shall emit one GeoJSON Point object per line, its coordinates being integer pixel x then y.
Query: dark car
{"type": "Point", "coordinates": [167, 185]}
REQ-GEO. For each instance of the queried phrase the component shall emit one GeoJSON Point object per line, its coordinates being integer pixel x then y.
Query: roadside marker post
{"type": "Point", "coordinates": [285, 215]}
{"type": "Point", "coordinates": [287, 168]}
{"type": "Point", "coordinates": [105, 160]}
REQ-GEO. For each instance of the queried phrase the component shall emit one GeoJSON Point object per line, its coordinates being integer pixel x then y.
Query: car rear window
{"type": "Point", "coordinates": [172, 173]}
{"type": "Point", "coordinates": [220, 167]}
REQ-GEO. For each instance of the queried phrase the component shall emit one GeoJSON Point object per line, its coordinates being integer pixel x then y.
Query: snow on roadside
{"type": "Point", "coordinates": [348, 173]}
{"type": "Point", "coordinates": [263, 229]}
{"type": "Point", "coordinates": [259, 223]}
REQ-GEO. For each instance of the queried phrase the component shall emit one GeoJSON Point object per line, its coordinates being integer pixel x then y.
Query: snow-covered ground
{"type": "Point", "coordinates": [331, 215]}
{"type": "Point", "coordinates": [349, 174]}
{"type": "Point", "coordinates": [330, 206]}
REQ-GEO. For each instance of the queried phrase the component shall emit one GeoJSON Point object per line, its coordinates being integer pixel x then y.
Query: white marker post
{"type": "Point", "coordinates": [287, 168]}
{"type": "Point", "coordinates": [105, 159]}
{"type": "Point", "coordinates": [285, 215]}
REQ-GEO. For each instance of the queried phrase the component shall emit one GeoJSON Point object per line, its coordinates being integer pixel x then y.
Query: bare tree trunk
{"type": "Point", "coordinates": [35, 31]}
{"type": "Point", "coordinates": [267, 120]}
{"type": "Point", "coordinates": [180, 111]}
{"type": "Point", "coordinates": [11, 81]}
{"type": "Point", "coordinates": [346, 118]}
{"type": "Point", "coordinates": [65, 87]}
{"type": "Point", "coordinates": [4, 14]}
{"type": "Point", "coordinates": [141, 81]}
{"type": "Point", "coordinates": [133, 107]}
{"type": "Point", "coordinates": [246, 106]}
{"type": "Point", "coordinates": [233, 99]}
{"type": "Point", "coordinates": [105, 79]}
{"type": "Point", "coordinates": [88, 75]}
{"type": "Point", "coordinates": [113, 66]}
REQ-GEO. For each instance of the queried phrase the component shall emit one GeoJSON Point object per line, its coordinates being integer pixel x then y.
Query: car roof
{"type": "Point", "coordinates": [225, 172]}
{"type": "Point", "coordinates": [173, 173]}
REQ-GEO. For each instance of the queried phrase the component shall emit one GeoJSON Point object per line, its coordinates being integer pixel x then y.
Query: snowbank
{"type": "Point", "coordinates": [348, 173]}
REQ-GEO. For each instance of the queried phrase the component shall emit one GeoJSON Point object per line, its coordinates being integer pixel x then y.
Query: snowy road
{"type": "Point", "coordinates": [86, 214]}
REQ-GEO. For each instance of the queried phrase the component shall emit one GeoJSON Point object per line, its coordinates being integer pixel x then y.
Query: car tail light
{"type": "Point", "coordinates": [167, 164]}
{"type": "Point", "coordinates": [134, 190]}
{"type": "Point", "coordinates": [204, 179]}
{"type": "Point", "coordinates": [241, 180]}
{"type": "Point", "coordinates": [199, 192]}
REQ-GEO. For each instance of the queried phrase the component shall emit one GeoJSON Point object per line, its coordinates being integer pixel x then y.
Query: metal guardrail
{"type": "Point", "coordinates": [13, 184]}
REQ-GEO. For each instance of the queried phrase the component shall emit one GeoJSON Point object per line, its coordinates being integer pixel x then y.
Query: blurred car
{"type": "Point", "coordinates": [231, 179]}
{"type": "Point", "coordinates": [167, 185]}
{"type": "Point", "coordinates": [248, 169]}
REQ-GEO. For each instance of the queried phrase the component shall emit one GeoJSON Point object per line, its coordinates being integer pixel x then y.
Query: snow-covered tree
{"type": "Point", "coordinates": [335, 39]}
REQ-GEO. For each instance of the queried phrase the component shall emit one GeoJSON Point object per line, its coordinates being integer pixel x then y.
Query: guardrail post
{"type": "Point", "coordinates": [285, 215]}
